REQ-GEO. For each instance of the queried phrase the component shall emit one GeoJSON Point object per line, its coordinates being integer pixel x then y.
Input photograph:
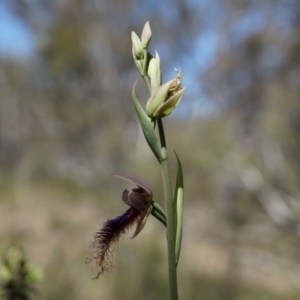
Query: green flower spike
{"type": "Point", "coordinates": [164, 100]}
{"type": "Point", "coordinates": [139, 49]}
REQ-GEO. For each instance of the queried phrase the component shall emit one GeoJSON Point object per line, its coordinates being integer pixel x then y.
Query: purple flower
{"type": "Point", "coordinates": [139, 200]}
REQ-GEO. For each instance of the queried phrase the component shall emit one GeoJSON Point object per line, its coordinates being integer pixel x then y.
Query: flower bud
{"type": "Point", "coordinates": [137, 51]}
{"type": "Point", "coordinates": [163, 101]}
{"type": "Point", "coordinates": [154, 72]}
{"type": "Point", "coordinates": [146, 35]}
{"type": "Point", "coordinates": [137, 48]}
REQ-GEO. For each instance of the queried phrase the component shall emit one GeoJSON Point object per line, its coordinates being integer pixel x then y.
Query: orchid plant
{"type": "Point", "coordinates": [163, 98]}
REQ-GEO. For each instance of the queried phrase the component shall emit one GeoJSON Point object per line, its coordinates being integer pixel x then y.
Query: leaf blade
{"type": "Point", "coordinates": [147, 127]}
{"type": "Point", "coordinates": [178, 209]}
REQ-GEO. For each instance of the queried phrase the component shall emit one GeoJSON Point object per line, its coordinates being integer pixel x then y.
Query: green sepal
{"type": "Point", "coordinates": [158, 98]}
{"type": "Point", "coordinates": [178, 209]}
{"type": "Point", "coordinates": [146, 35]}
{"type": "Point", "coordinates": [158, 213]}
{"type": "Point", "coordinates": [137, 47]}
{"type": "Point", "coordinates": [147, 127]}
{"type": "Point", "coordinates": [167, 107]}
{"type": "Point", "coordinates": [154, 72]}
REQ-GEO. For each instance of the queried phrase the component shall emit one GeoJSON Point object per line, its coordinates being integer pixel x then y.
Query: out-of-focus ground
{"type": "Point", "coordinates": [67, 123]}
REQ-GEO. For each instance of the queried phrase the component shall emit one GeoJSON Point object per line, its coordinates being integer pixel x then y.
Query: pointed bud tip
{"type": "Point", "coordinates": [146, 35]}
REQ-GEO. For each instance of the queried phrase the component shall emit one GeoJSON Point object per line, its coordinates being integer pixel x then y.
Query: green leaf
{"type": "Point", "coordinates": [178, 209]}
{"type": "Point", "coordinates": [147, 127]}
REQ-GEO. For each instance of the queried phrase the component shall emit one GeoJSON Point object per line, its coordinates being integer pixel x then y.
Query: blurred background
{"type": "Point", "coordinates": [67, 123]}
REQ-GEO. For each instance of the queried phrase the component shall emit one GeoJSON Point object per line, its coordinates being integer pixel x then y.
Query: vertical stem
{"type": "Point", "coordinates": [145, 63]}
{"type": "Point", "coordinates": [164, 166]}
{"type": "Point", "coordinates": [170, 215]}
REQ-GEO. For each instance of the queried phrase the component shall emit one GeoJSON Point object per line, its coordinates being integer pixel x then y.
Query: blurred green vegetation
{"type": "Point", "coordinates": [17, 275]}
{"type": "Point", "coordinates": [67, 123]}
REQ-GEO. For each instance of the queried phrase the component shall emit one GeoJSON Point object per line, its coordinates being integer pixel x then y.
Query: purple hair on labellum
{"type": "Point", "coordinates": [139, 200]}
{"type": "Point", "coordinates": [107, 237]}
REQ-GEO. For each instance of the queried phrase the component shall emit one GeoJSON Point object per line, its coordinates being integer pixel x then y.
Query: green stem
{"type": "Point", "coordinates": [170, 214]}
{"type": "Point", "coordinates": [145, 63]}
{"type": "Point", "coordinates": [164, 165]}
{"type": "Point", "coordinates": [147, 83]}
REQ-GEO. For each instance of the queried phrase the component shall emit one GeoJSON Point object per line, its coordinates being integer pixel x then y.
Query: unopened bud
{"type": "Point", "coordinates": [154, 72]}
{"type": "Point", "coordinates": [146, 35]}
{"type": "Point", "coordinates": [137, 48]}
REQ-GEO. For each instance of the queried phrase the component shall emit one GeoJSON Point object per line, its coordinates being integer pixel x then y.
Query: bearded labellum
{"type": "Point", "coordinates": [139, 199]}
